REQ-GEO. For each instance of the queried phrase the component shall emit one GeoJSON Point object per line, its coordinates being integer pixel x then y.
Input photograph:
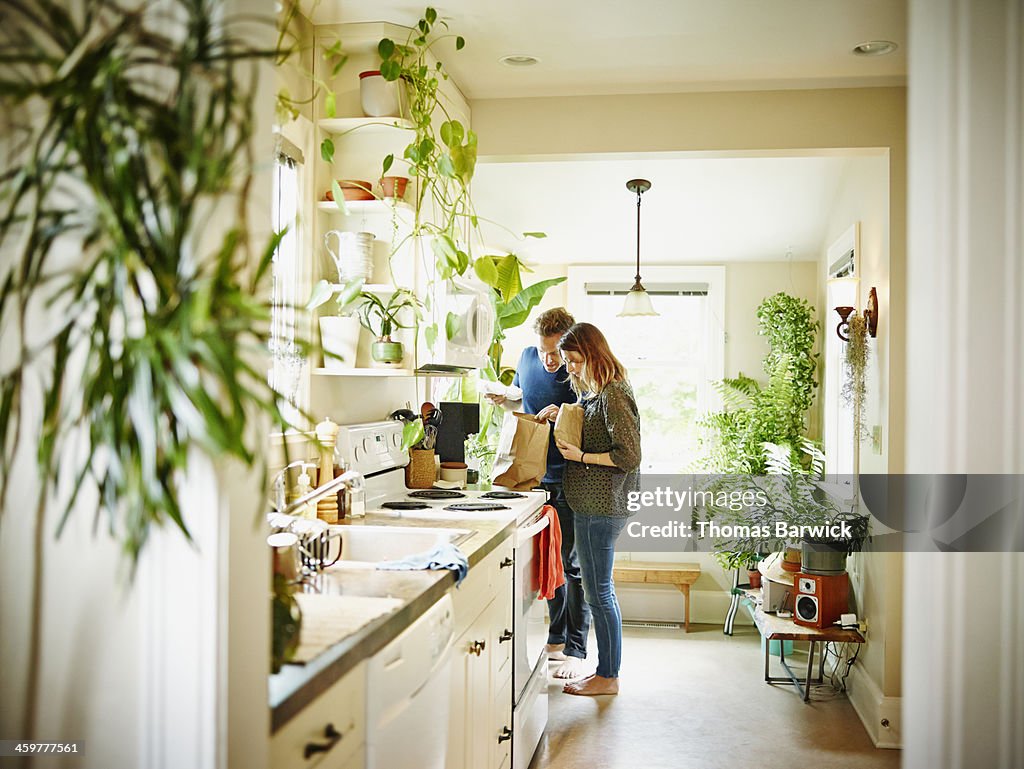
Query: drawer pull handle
{"type": "Point", "coordinates": [506, 562]}
{"type": "Point", "coordinates": [476, 647]}
{"type": "Point", "coordinates": [506, 636]}
{"type": "Point", "coordinates": [506, 734]}
{"type": "Point", "coordinates": [312, 748]}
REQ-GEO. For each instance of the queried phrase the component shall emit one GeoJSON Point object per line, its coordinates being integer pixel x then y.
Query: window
{"type": "Point", "coordinates": [286, 374]}
{"type": "Point", "coordinates": [673, 359]}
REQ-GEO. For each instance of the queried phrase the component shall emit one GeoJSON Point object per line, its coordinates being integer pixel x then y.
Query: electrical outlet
{"type": "Point", "coordinates": [863, 626]}
{"type": "Point", "coordinates": [876, 439]}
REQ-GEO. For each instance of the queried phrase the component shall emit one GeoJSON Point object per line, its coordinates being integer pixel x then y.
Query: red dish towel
{"type": "Point", "coordinates": [549, 575]}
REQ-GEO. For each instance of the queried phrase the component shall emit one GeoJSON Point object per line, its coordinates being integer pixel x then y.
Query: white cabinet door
{"type": "Point", "coordinates": [469, 732]}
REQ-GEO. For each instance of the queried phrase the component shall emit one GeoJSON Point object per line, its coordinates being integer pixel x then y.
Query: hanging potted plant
{"type": "Point", "coordinates": [382, 318]}
{"type": "Point", "coordinates": [855, 361]}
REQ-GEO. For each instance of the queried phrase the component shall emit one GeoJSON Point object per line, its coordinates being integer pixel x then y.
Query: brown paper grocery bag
{"type": "Point", "coordinates": [569, 424]}
{"type": "Point", "coordinates": [522, 454]}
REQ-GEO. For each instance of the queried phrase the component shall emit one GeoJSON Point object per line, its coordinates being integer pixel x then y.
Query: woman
{"type": "Point", "coordinates": [598, 476]}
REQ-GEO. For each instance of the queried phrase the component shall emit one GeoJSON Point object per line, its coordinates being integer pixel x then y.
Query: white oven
{"type": "Point", "coordinates": [529, 660]}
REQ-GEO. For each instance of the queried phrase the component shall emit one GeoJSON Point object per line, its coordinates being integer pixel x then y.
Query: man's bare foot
{"type": "Point", "coordinates": [592, 686]}
{"type": "Point", "coordinates": [555, 651]}
{"type": "Point", "coordinates": [572, 667]}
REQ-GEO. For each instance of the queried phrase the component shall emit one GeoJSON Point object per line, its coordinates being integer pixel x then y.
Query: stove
{"type": "Point", "coordinates": [399, 505]}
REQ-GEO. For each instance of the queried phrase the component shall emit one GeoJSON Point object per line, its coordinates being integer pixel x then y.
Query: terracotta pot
{"type": "Point", "coordinates": [755, 578]}
{"type": "Point", "coordinates": [393, 186]}
{"type": "Point", "coordinates": [791, 559]}
{"type": "Point", "coordinates": [356, 189]}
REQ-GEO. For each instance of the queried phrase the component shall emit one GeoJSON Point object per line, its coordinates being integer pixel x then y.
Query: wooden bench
{"type": "Point", "coordinates": [682, 575]}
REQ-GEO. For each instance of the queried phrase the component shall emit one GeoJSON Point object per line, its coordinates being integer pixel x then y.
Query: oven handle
{"type": "Point", "coordinates": [524, 535]}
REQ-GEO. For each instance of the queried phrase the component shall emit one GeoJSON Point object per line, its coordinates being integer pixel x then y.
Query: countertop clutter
{"type": "Point", "coordinates": [296, 686]}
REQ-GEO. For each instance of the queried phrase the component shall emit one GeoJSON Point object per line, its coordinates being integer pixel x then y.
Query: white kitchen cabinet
{"type": "Point", "coordinates": [330, 733]}
{"type": "Point", "coordinates": [481, 704]}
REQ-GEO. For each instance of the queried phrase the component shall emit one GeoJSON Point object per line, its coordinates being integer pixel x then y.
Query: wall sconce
{"type": "Point", "coordinates": [870, 315]}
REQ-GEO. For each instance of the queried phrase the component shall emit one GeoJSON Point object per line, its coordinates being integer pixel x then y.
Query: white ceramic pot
{"type": "Point", "coordinates": [378, 97]}
{"type": "Point", "coordinates": [340, 339]}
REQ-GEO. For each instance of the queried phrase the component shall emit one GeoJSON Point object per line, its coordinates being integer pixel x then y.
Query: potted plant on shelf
{"type": "Point", "coordinates": [339, 333]}
{"type": "Point", "coordinates": [382, 318]}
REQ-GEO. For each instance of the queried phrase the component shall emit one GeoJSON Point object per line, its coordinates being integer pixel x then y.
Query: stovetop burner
{"type": "Point", "coordinates": [502, 495]}
{"type": "Point", "coordinates": [405, 505]}
{"type": "Point", "coordinates": [436, 494]}
{"type": "Point", "coordinates": [473, 507]}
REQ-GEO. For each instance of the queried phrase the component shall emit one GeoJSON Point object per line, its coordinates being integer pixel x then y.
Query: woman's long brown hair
{"type": "Point", "coordinates": [600, 366]}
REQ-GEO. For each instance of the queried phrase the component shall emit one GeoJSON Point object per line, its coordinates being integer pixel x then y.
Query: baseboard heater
{"type": "Point", "coordinates": [650, 623]}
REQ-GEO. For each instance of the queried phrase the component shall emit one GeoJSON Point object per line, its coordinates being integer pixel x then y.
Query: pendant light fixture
{"type": "Point", "coordinates": [638, 301]}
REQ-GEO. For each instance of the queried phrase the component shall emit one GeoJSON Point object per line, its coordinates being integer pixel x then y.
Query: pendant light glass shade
{"type": "Point", "coordinates": [638, 301]}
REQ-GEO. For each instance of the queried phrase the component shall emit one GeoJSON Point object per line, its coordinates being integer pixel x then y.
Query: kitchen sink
{"type": "Point", "coordinates": [368, 545]}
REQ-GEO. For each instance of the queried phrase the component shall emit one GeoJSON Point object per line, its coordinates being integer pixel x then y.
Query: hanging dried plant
{"type": "Point", "coordinates": [855, 366]}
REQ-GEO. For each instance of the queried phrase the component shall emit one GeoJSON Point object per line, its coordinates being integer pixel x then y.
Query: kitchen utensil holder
{"type": "Point", "coordinates": [419, 473]}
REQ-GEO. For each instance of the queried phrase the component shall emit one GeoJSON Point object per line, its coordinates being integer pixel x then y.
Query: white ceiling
{"type": "Point", "coordinates": [698, 210]}
{"type": "Point", "coordinates": [653, 46]}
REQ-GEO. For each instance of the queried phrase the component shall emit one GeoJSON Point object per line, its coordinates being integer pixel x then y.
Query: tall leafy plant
{"type": "Point", "coordinates": [753, 415]}
{"type": "Point", "coordinates": [126, 128]}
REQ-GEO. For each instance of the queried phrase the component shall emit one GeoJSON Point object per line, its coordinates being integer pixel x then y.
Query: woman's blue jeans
{"type": "Point", "coordinates": [595, 546]}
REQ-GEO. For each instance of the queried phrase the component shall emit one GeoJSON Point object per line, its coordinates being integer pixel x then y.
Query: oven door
{"type": "Point", "coordinates": [530, 615]}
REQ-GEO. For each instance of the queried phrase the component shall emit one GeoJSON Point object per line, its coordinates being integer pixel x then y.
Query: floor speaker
{"type": "Point", "coordinates": [820, 599]}
{"type": "Point", "coordinates": [457, 421]}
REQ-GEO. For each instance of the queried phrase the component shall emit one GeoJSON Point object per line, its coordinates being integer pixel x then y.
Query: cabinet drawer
{"type": "Point", "coordinates": [501, 714]}
{"type": "Point", "coordinates": [342, 708]}
{"type": "Point", "coordinates": [478, 588]}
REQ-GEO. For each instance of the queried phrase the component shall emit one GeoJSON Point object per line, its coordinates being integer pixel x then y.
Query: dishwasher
{"type": "Point", "coordinates": [408, 688]}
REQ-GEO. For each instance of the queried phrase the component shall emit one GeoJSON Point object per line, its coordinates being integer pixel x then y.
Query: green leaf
{"type": "Point", "coordinates": [445, 167]}
{"type": "Point", "coordinates": [510, 281]}
{"type": "Point", "coordinates": [386, 166]}
{"type": "Point", "coordinates": [516, 312]}
{"type": "Point", "coordinates": [452, 325]}
{"type": "Point", "coordinates": [321, 293]}
{"type": "Point", "coordinates": [339, 196]}
{"type": "Point", "coordinates": [486, 271]}
{"type": "Point", "coordinates": [348, 294]}
{"type": "Point", "coordinates": [330, 104]}
{"type": "Point", "coordinates": [327, 150]}
{"type": "Point", "coordinates": [390, 70]}
{"type": "Point", "coordinates": [430, 335]}
{"type": "Point", "coordinates": [386, 48]}
{"type": "Point", "coordinates": [430, 15]}
{"type": "Point", "coordinates": [534, 235]}
{"type": "Point", "coordinates": [412, 433]}
{"type": "Point", "coordinates": [460, 43]}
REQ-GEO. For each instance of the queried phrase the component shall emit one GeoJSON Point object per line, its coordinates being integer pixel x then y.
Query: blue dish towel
{"type": "Point", "coordinates": [444, 556]}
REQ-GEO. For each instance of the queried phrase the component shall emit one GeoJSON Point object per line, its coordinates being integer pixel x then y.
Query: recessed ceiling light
{"type": "Point", "coordinates": [519, 60]}
{"type": "Point", "coordinates": [875, 48]}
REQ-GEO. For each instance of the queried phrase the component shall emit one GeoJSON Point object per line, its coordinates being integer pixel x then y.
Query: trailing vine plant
{"type": "Point", "coordinates": [128, 130]}
{"type": "Point", "coordinates": [855, 361]}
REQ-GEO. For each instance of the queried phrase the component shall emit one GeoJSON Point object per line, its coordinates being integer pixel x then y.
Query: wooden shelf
{"type": "Point", "coordinates": [344, 125]}
{"type": "Point", "coordinates": [386, 372]}
{"type": "Point", "coordinates": [362, 207]}
{"type": "Point", "coordinates": [361, 372]}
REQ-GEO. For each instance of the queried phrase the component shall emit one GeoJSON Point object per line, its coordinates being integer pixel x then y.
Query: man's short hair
{"type": "Point", "coordinates": [557, 320]}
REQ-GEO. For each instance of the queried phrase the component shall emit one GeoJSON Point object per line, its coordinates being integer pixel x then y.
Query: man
{"type": "Point", "coordinates": [545, 385]}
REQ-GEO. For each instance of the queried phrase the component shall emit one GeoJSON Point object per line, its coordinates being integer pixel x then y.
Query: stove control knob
{"type": "Point", "coordinates": [396, 440]}
{"type": "Point", "coordinates": [358, 454]}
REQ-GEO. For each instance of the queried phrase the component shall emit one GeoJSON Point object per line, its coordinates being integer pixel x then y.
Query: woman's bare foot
{"type": "Point", "coordinates": [555, 651]}
{"type": "Point", "coordinates": [572, 667]}
{"type": "Point", "coordinates": [592, 686]}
